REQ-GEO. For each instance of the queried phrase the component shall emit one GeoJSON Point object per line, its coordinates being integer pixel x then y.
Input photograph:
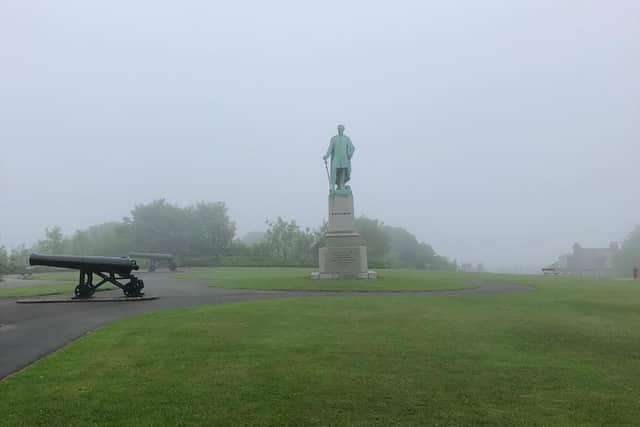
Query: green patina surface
{"type": "Point", "coordinates": [340, 151]}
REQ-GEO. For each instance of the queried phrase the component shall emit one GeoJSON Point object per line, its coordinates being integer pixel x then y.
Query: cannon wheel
{"type": "Point", "coordinates": [134, 288]}
{"type": "Point", "coordinates": [84, 291]}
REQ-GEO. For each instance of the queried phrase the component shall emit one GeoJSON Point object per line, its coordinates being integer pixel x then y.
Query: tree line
{"type": "Point", "coordinates": [628, 257]}
{"type": "Point", "coordinates": [204, 234]}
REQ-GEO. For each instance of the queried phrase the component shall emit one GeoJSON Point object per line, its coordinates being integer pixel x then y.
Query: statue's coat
{"type": "Point", "coordinates": [340, 150]}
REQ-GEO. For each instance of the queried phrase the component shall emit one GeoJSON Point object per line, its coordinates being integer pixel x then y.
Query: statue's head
{"type": "Point", "coordinates": [340, 129]}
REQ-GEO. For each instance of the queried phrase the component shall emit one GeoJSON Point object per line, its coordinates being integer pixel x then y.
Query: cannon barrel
{"type": "Point", "coordinates": [147, 255]}
{"type": "Point", "coordinates": [88, 264]}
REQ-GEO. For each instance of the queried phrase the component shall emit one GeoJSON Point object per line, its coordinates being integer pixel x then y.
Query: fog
{"type": "Point", "coordinates": [498, 132]}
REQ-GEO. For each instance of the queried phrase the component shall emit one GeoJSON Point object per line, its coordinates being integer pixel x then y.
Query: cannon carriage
{"type": "Point", "coordinates": [108, 269]}
{"type": "Point", "coordinates": [155, 259]}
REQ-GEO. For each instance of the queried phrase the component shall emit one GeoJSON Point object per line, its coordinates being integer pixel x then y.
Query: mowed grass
{"type": "Point", "coordinates": [45, 289]}
{"type": "Point", "coordinates": [63, 275]}
{"type": "Point", "coordinates": [300, 279]}
{"type": "Point", "coordinates": [37, 290]}
{"type": "Point", "coordinates": [55, 283]}
{"type": "Point", "coordinates": [565, 354]}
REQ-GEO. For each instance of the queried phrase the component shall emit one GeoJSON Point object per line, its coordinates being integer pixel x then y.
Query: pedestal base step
{"type": "Point", "coordinates": [330, 276]}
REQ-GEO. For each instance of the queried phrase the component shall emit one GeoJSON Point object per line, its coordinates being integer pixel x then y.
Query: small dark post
{"type": "Point", "coordinates": [635, 273]}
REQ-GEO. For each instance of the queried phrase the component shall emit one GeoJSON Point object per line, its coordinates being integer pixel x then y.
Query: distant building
{"type": "Point", "coordinates": [586, 261]}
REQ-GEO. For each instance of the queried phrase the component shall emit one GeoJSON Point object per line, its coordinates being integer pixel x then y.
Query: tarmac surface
{"type": "Point", "coordinates": [31, 331]}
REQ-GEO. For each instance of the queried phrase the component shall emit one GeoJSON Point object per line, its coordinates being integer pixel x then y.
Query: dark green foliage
{"type": "Point", "coordinates": [110, 239]}
{"type": "Point", "coordinates": [203, 229]}
{"type": "Point", "coordinates": [404, 246]}
{"type": "Point", "coordinates": [628, 257]}
{"type": "Point", "coordinates": [160, 227]}
{"type": "Point", "coordinates": [208, 228]}
{"type": "Point", "coordinates": [4, 261]}
{"type": "Point", "coordinates": [15, 261]}
{"type": "Point", "coordinates": [372, 231]}
{"type": "Point", "coordinates": [53, 242]}
{"type": "Point", "coordinates": [287, 241]}
{"type": "Point", "coordinates": [396, 247]}
{"type": "Point", "coordinates": [240, 248]}
{"type": "Point", "coordinates": [203, 235]}
{"type": "Point", "coordinates": [407, 252]}
{"type": "Point", "coordinates": [253, 237]}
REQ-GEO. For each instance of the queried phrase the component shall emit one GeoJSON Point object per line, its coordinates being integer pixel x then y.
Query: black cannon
{"type": "Point", "coordinates": [109, 269]}
{"type": "Point", "coordinates": [155, 259]}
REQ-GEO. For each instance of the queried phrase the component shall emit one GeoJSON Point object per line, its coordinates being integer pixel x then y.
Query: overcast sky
{"type": "Point", "coordinates": [497, 131]}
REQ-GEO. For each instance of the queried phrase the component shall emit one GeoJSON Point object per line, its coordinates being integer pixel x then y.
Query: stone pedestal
{"type": "Point", "coordinates": [345, 255]}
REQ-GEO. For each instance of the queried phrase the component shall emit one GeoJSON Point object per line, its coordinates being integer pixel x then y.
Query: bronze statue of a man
{"type": "Point", "coordinates": [340, 151]}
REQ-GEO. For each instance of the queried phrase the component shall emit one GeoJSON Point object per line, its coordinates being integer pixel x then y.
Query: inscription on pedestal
{"type": "Point", "coordinates": [341, 212]}
{"type": "Point", "coordinates": [343, 260]}
{"type": "Point", "coordinates": [343, 257]}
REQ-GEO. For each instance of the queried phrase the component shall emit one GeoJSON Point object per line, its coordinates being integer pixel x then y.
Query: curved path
{"type": "Point", "coordinates": [31, 331]}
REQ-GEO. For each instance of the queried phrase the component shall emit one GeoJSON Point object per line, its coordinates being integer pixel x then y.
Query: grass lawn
{"type": "Point", "coordinates": [299, 278]}
{"type": "Point", "coordinates": [57, 276]}
{"type": "Point", "coordinates": [37, 290]}
{"type": "Point", "coordinates": [62, 282]}
{"type": "Point", "coordinates": [566, 354]}
{"type": "Point", "coordinates": [46, 289]}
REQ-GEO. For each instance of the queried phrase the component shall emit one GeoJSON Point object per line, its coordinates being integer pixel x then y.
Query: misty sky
{"type": "Point", "coordinates": [497, 131]}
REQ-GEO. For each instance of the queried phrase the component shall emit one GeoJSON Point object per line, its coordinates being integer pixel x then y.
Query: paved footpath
{"type": "Point", "coordinates": [31, 331]}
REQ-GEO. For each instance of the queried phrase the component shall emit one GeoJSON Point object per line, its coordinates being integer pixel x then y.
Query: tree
{"type": "Point", "coordinates": [159, 227]}
{"type": "Point", "coordinates": [407, 252]}
{"type": "Point", "coordinates": [19, 258]}
{"type": "Point", "coordinates": [208, 229]}
{"type": "Point", "coordinates": [253, 237]}
{"type": "Point", "coordinates": [281, 236]}
{"type": "Point", "coordinates": [319, 237]}
{"type": "Point", "coordinates": [110, 239]}
{"type": "Point", "coordinates": [404, 247]}
{"type": "Point", "coordinates": [53, 242]}
{"type": "Point", "coordinates": [373, 233]}
{"type": "Point", "coordinates": [628, 257]}
{"type": "Point", "coordinates": [199, 230]}
{"type": "Point", "coordinates": [285, 239]}
{"type": "Point", "coordinates": [4, 261]}
{"type": "Point", "coordinates": [240, 248]}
